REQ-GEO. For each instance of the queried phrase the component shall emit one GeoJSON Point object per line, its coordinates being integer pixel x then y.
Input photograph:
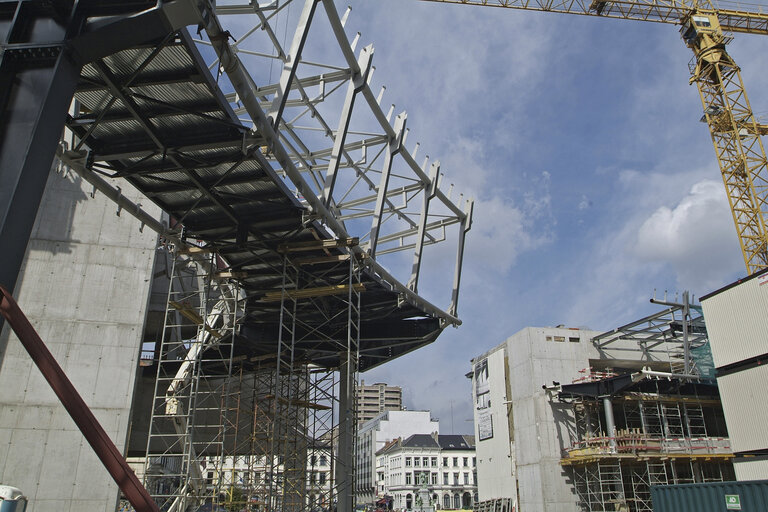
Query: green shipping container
{"type": "Point", "coordinates": [749, 496]}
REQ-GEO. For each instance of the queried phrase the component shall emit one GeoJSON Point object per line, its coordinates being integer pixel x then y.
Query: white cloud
{"type": "Point", "coordinates": [689, 236]}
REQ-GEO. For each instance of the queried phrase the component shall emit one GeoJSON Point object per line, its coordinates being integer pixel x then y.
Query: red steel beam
{"type": "Point", "coordinates": [105, 449]}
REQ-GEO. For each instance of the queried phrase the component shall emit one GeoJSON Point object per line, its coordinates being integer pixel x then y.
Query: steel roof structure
{"type": "Point", "coordinates": [154, 115]}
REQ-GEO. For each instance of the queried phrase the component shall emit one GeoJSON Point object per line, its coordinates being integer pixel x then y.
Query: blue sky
{"type": "Point", "coordinates": [579, 139]}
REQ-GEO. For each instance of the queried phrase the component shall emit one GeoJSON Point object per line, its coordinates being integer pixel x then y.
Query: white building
{"type": "Point", "coordinates": [375, 434]}
{"type": "Point", "coordinates": [494, 431]}
{"type": "Point", "coordinates": [443, 464]}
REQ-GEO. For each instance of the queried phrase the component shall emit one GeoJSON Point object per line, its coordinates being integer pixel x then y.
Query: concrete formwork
{"type": "Point", "coordinates": [84, 286]}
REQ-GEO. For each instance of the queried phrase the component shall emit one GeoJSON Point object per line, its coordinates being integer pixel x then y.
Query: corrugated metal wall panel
{"type": "Point", "coordinates": [737, 322]}
{"type": "Point", "coordinates": [744, 395]}
{"type": "Point", "coordinates": [751, 470]}
{"type": "Point", "coordinates": [710, 497]}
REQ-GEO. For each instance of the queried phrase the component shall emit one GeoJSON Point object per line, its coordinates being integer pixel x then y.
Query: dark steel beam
{"type": "Point", "coordinates": [170, 186]}
{"type": "Point", "coordinates": [34, 110]}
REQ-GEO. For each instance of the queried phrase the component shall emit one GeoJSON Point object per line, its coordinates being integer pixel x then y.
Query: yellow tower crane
{"type": "Point", "coordinates": [735, 131]}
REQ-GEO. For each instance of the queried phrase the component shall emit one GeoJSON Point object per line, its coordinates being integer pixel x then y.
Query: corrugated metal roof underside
{"type": "Point", "coordinates": [154, 116]}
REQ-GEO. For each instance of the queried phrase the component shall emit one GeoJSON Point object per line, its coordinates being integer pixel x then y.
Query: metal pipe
{"type": "Point", "coordinates": [93, 432]}
{"type": "Point", "coordinates": [645, 372]}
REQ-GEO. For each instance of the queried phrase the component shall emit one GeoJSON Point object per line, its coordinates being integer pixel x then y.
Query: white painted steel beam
{"type": "Point", "coordinates": [393, 148]}
{"type": "Point", "coordinates": [356, 83]}
{"type": "Point", "coordinates": [466, 225]}
{"type": "Point", "coordinates": [429, 192]}
{"type": "Point", "coordinates": [291, 62]}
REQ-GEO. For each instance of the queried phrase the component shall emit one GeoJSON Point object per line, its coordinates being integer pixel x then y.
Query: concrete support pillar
{"type": "Point", "coordinates": [345, 462]}
{"type": "Point", "coordinates": [610, 424]}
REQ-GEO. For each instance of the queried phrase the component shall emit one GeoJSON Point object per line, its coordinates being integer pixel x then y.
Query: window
{"type": "Point", "coordinates": [445, 478]}
{"type": "Point", "coordinates": [434, 462]}
{"type": "Point", "coordinates": [455, 461]}
{"type": "Point", "coordinates": [407, 462]}
{"type": "Point", "coordinates": [416, 462]}
{"type": "Point", "coordinates": [466, 461]}
{"type": "Point", "coordinates": [702, 21]}
{"type": "Point", "coordinates": [447, 501]}
{"type": "Point", "coordinates": [445, 461]}
{"type": "Point", "coordinates": [466, 478]}
{"type": "Point", "coordinates": [474, 461]}
{"type": "Point", "coordinates": [434, 478]}
{"type": "Point", "coordinates": [408, 479]}
{"type": "Point", "coordinates": [456, 501]}
{"type": "Point", "coordinates": [313, 460]}
{"type": "Point", "coordinates": [312, 477]}
{"type": "Point", "coordinates": [323, 460]}
{"type": "Point", "coordinates": [455, 479]}
{"type": "Point", "coordinates": [560, 339]}
{"type": "Point", "coordinates": [322, 478]}
{"type": "Point", "coordinates": [573, 339]}
{"type": "Point", "coordinates": [425, 461]}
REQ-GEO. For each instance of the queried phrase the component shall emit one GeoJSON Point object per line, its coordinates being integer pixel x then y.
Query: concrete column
{"type": "Point", "coordinates": [345, 462]}
{"type": "Point", "coordinates": [610, 424]}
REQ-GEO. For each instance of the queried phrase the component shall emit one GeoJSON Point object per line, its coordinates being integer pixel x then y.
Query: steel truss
{"type": "Point", "coordinates": [326, 132]}
{"type": "Point", "coordinates": [673, 332]}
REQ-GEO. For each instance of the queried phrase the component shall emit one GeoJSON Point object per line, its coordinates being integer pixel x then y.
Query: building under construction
{"type": "Point", "coordinates": [638, 429]}
{"type": "Point", "coordinates": [596, 419]}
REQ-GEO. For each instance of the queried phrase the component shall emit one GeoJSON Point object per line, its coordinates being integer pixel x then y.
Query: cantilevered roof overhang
{"type": "Point", "coordinates": [155, 116]}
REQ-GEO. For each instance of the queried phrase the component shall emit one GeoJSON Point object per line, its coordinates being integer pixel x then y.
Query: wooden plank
{"type": "Point", "coordinates": [320, 291]}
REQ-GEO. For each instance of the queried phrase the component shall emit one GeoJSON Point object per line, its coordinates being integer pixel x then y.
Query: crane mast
{"type": "Point", "coordinates": [735, 133]}
{"type": "Point", "coordinates": [734, 130]}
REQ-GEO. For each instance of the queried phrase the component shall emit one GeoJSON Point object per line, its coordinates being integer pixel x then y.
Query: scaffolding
{"type": "Point", "coordinates": [265, 432]}
{"type": "Point", "coordinates": [664, 433]}
{"type": "Point", "coordinates": [194, 366]}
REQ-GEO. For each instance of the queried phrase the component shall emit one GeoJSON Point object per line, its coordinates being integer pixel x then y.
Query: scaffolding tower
{"type": "Point", "coordinates": [655, 432]}
{"type": "Point", "coordinates": [266, 432]}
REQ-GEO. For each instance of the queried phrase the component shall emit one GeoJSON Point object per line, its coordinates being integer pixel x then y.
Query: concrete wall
{"type": "Point", "coordinates": [495, 455]}
{"type": "Point", "coordinates": [533, 362]}
{"type": "Point", "coordinates": [84, 287]}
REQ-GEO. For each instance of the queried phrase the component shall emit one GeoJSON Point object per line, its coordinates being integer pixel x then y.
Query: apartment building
{"type": "Point", "coordinates": [374, 399]}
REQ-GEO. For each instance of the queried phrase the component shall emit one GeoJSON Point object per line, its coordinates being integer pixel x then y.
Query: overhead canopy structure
{"type": "Point", "coordinates": [154, 115]}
